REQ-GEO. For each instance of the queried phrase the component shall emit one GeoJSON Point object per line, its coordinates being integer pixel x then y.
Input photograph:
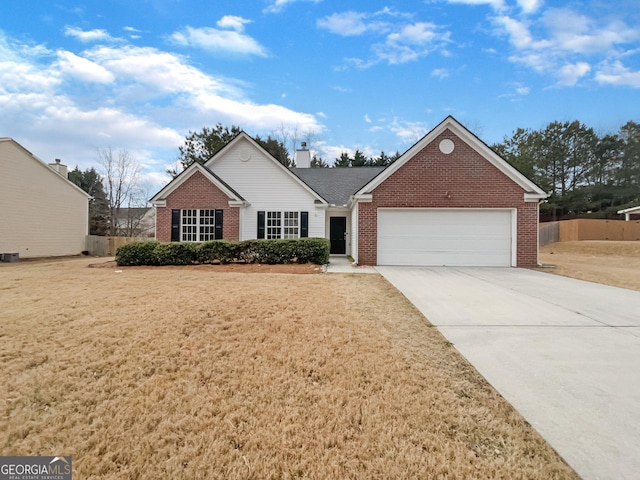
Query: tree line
{"type": "Point", "coordinates": [585, 174]}
{"type": "Point", "coordinates": [201, 146]}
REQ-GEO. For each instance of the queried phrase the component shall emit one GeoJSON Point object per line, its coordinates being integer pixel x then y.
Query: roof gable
{"type": "Point", "coordinates": [531, 190]}
{"type": "Point", "coordinates": [224, 155]}
{"type": "Point", "coordinates": [160, 197]}
{"type": "Point", "coordinates": [44, 165]}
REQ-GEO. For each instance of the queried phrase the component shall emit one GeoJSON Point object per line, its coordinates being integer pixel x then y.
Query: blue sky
{"type": "Point", "coordinates": [139, 74]}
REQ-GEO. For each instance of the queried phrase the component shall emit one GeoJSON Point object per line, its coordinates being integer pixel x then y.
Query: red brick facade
{"type": "Point", "coordinates": [462, 179]}
{"type": "Point", "coordinates": [198, 192]}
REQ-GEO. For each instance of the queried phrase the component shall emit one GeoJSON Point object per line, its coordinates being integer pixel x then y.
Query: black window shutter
{"type": "Point", "coordinates": [218, 226]}
{"type": "Point", "coordinates": [304, 224]}
{"type": "Point", "coordinates": [260, 224]}
{"type": "Point", "coordinates": [175, 225]}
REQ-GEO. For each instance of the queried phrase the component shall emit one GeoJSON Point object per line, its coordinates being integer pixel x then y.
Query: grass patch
{"type": "Point", "coordinates": [601, 261]}
{"type": "Point", "coordinates": [189, 373]}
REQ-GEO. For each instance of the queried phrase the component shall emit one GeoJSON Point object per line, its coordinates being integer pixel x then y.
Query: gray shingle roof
{"type": "Point", "coordinates": [336, 185]}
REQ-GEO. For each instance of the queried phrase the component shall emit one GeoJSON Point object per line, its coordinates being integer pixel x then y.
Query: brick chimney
{"type": "Point", "coordinates": [303, 156]}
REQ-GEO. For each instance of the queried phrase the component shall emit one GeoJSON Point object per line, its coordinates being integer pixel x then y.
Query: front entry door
{"type": "Point", "coordinates": [338, 234]}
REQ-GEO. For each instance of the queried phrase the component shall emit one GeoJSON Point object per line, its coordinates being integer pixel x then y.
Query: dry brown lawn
{"type": "Point", "coordinates": [608, 262]}
{"type": "Point", "coordinates": [196, 373]}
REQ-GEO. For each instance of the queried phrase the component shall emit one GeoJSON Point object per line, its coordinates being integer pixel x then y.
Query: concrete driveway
{"type": "Point", "coordinates": [565, 353]}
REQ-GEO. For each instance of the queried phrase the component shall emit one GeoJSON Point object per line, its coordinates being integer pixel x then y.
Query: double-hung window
{"type": "Point", "coordinates": [274, 225]}
{"type": "Point", "coordinates": [290, 225]}
{"type": "Point", "coordinates": [286, 225]}
{"type": "Point", "coordinates": [196, 225]}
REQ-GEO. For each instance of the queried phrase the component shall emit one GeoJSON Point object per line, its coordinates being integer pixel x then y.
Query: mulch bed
{"type": "Point", "coordinates": [305, 268]}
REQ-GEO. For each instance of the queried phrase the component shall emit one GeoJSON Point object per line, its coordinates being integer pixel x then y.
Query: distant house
{"type": "Point", "coordinates": [136, 222]}
{"type": "Point", "coordinates": [448, 200]}
{"type": "Point", "coordinates": [627, 212]}
{"type": "Point", "coordinates": [43, 213]}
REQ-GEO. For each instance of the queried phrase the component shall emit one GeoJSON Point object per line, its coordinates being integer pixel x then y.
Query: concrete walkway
{"type": "Point", "coordinates": [341, 264]}
{"type": "Point", "coordinates": [565, 353]}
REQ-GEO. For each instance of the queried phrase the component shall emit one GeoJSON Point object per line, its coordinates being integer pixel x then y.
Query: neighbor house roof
{"type": "Point", "coordinates": [133, 212]}
{"type": "Point", "coordinates": [336, 185]}
{"type": "Point", "coordinates": [631, 210]}
{"type": "Point", "coordinates": [43, 164]}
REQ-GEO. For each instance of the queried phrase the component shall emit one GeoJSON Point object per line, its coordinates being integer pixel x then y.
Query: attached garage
{"type": "Point", "coordinates": [446, 237]}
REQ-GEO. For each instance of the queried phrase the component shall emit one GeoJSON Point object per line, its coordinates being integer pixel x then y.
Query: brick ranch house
{"type": "Point", "coordinates": [448, 200]}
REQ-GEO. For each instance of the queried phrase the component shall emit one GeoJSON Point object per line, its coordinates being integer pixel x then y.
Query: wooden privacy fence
{"type": "Point", "coordinates": [107, 246]}
{"type": "Point", "coordinates": [588, 229]}
{"type": "Point", "coordinates": [549, 232]}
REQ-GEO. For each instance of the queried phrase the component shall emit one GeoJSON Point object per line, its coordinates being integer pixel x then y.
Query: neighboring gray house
{"type": "Point", "coordinates": [43, 213]}
{"type": "Point", "coordinates": [136, 222]}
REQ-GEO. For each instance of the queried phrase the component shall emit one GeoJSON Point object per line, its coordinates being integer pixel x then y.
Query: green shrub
{"type": "Point", "coordinates": [136, 253]}
{"type": "Point", "coordinates": [218, 251]}
{"type": "Point", "coordinates": [175, 253]}
{"type": "Point", "coordinates": [314, 250]}
{"type": "Point", "coordinates": [304, 250]}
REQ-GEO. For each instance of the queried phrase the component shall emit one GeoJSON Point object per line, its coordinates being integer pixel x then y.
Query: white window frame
{"type": "Point", "coordinates": [197, 224]}
{"type": "Point", "coordinates": [291, 225]}
{"type": "Point", "coordinates": [282, 225]}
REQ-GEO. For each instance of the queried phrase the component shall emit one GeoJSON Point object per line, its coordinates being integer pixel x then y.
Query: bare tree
{"type": "Point", "coordinates": [121, 180]}
{"type": "Point", "coordinates": [292, 137]}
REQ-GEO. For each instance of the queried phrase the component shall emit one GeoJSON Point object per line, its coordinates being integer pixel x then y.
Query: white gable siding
{"type": "Point", "coordinates": [42, 214]}
{"type": "Point", "coordinates": [266, 186]}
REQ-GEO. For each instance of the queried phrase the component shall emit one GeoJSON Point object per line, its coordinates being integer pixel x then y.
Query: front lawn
{"type": "Point", "coordinates": [190, 373]}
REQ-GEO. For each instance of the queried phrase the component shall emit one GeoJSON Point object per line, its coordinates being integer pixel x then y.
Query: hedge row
{"type": "Point", "coordinates": [304, 250]}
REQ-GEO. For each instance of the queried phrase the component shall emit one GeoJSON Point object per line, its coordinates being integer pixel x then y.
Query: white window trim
{"type": "Point", "coordinates": [199, 216]}
{"type": "Point", "coordinates": [288, 224]}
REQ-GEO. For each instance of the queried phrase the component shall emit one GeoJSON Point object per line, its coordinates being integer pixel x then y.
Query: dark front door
{"type": "Point", "coordinates": [337, 234]}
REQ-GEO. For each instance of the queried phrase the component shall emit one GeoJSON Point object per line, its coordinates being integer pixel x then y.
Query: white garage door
{"type": "Point", "coordinates": [437, 237]}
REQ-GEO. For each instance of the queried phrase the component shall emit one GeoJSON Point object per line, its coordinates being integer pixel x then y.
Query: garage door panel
{"type": "Point", "coordinates": [444, 237]}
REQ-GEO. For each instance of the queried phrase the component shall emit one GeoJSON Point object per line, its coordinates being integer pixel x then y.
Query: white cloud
{"type": "Point", "coordinates": [411, 42]}
{"type": "Point", "coordinates": [563, 43]}
{"type": "Point", "coordinates": [495, 4]}
{"type": "Point", "coordinates": [367, 119]}
{"type": "Point", "coordinates": [420, 33]}
{"type": "Point", "coordinates": [218, 41]}
{"type": "Point", "coordinates": [234, 22]}
{"type": "Point", "coordinates": [440, 73]}
{"type": "Point", "coordinates": [345, 24]}
{"type": "Point", "coordinates": [571, 73]}
{"type": "Point", "coordinates": [82, 68]}
{"type": "Point", "coordinates": [87, 36]}
{"type": "Point", "coordinates": [617, 74]}
{"type": "Point", "coordinates": [278, 5]}
{"type": "Point", "coordinates": [140, 87]}
{"type": "Point", "coordinates": [518, 32]}
{"type": "Point", "coordinates": [408, 132]}
{"type": "Point", "coordinates": [401, 40]}
{"type": "Point", "coordinates": [530, 6]}
{"type": "Point", "coordinates": [577, 33]}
